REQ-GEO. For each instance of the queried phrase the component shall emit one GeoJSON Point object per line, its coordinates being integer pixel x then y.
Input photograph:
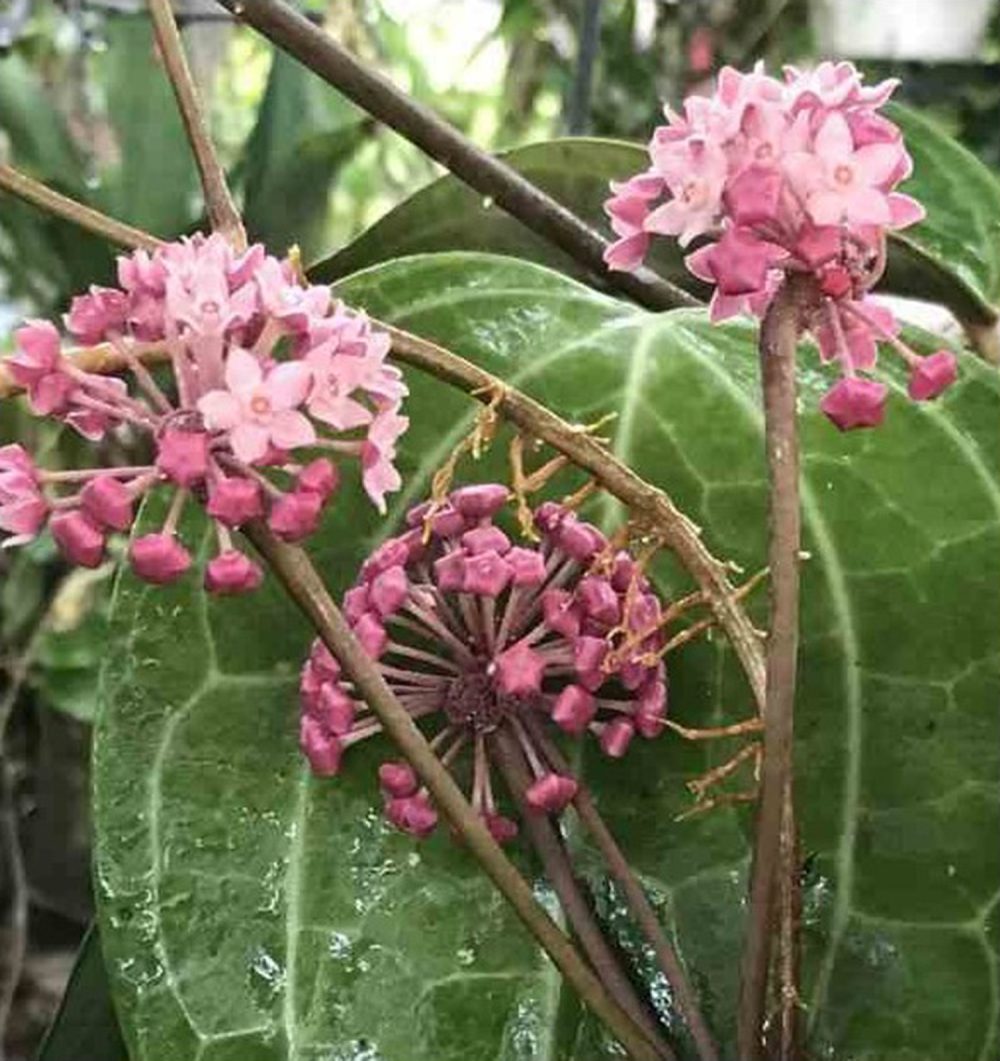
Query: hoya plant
{"type": "Point", "coordinates": [513, 656]}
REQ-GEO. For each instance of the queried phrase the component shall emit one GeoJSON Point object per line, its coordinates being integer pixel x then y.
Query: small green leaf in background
{"type": "Point", "coordinates": [252, 912]}
{"type": "Point", "coordinates": [86, 1028]}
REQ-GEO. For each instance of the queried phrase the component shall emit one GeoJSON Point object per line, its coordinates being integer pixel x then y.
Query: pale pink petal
{"type": "Point", "coordinates": [290, 429]}
{"type": "Point", "coordinates": [868, 206]}
{"type": "Point", "coordinates": [221, 410]}
{"type": "Point", "coordinates": [243, 372]}
{"type": "Point", "coordinates": [288, 384]}
{"type": "Point", "coordinates": [249, 442]}
{"type": "Point", "coordinates": [833, 141]}
{"type": "Point", "coordinates": [905, 210]}
{"type": "Point", "coordinates": [826, 208]}
{"type": "Point", "coordinates": [876, 162]}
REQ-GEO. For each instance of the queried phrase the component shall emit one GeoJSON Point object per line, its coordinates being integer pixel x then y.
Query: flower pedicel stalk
{"type": "Point", "coordinates": [787, 177]}
{"type": "Point", "coordinates": [264, 368]}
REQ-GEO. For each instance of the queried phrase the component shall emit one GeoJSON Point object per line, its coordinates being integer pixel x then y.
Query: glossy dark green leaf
{"type": "Point", "coordinates": [952, 257]}
{"type": "Point", "coordinates": [85, 1028]}
{"type": "Point", "coordinates": [252, 912]}
{"type": "Point", "coordinates": [303, 135]}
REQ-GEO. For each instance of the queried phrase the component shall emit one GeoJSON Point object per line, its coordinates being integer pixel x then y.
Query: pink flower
{"type": "Point", "coordinates": [738, 263]}
{"type": "Point", "coordinates": [36, 365]}
{"type": "Point", "coordinates": [79, 539]}
{"type": "Point", "coordinates": [23, 509]}
{"type": "Point", "coordinates": [696, 176]}
{"type": "Point", "coordinates": [258, 410]}
{"type": "Point", "coordinates": [482, 651]}
{"type": "Point", "coordinates": [159, 558]}
{"type": "Point", "coordinates": [231, 572]}
{"type": "Point", "coordinates": [931, 375]}
{"type": "Point", "coordinates": [379, 474]}
{"type": "Point", "coordinates": [854, 402]}
{"type": "Point", "coordinates": [93, 316]}
{"type": "Point", "coordinates": [628, 209]}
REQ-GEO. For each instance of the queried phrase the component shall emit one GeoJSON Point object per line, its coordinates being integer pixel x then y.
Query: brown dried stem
{"type": "Point", "coordinates": [773, 860]}
{"type": "Point", "coordinates": [222, 213]}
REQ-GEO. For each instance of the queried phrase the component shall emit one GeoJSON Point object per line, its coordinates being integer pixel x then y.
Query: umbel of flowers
{"type": "Point", "coordinates": [779, 177]}
{"type": "Point", "coordinates": [271, 383]}
{"type": "Point", "coordinates": [476, 634]}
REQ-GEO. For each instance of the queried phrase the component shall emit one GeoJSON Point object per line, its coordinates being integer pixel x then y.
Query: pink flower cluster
{"type": "Point", "coordinates": [779, 177]}
{"type": "Point", "coordinates": [262, 367]}
{"type": "Point", "coordinates": [478, 634]}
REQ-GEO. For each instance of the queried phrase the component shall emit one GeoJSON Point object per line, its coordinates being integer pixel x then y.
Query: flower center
{"type": "Point", "coordinates": [260, 405]}
{"type": "Point", "coordinates": [472, 700]}
{"type": "Point", "coordinates": [694, 193]}
{"type": "Point", "coordinates": [764, 153]}
{"type": "Point", "coordinates": [209, 308]}
{"type": "Point", "coordinates": [843, 174]}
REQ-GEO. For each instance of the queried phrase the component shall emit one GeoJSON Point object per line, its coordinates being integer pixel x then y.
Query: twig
{"type": "Point", "coordinates": [489, 176]}
{"type": "Point", "coordinates": [36, 193]}
{"type": "Point", "coordinates": [551, 851]}
{"type": "Point", "coordinates": [778, 339]}
{"type": "Point", "coordinates": [222, 212]}
{"type": "Point", "coordinates": [789, 912]}
{"type": "Point", "coordinates": [638, 903]}
{"type": "Point", "coordinates": [295, 570]}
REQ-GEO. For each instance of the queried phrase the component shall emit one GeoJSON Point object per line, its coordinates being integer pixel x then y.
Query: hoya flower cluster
{"type": "Point", "coordinates": [272, 381]}
{"type": "Point", "coordinates": [475, 633]}
{"type": "Point", "coordinates": [779, 177]}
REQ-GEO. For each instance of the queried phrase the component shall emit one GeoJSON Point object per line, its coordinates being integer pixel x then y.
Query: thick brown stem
{"type": "Point", "coordinates": [489, 176]}
{"type": "Point", "coordinates": [222, 212]}
{"type": "Point", "coordinates": [779, 336]}
{"type": "Point", "coordinates": [789, 903]}
{"type": "Point", "coordinates": [548, 845]}
{"type": "Point", "coordinates": [638, 902]}
{"type": "Point", "coordinates": [294, 569]}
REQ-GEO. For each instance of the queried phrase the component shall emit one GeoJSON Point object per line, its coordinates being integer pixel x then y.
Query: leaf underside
{"type": "Point", "coordinates": [253, 913]}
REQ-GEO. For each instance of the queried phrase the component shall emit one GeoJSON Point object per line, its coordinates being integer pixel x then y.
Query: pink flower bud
{"type": "Point", "coordinates": [235, 501]}
{"type": "Point", "coordinates": [231, 573]}
{"type": "Point", "coordinates": [107, 502]}
{"type": "Point", "coordinates": [335, 708]}
{"type": "Point", "coordinates": [560, 613]}
{"type": "Point", "coordinates": [588, 655]}
{"type": "Point", "coordinates": [502, 829]}
{"type": "Point", "coordinates": [296, 515]}
{"type": "Point", "coordinates": [480, 501]}
{"type": "Point", "coordinates": [854, 402]}
{"type": "Point", "coordinates": [580, 540]}
{"type": "Point", "coordinates": [932, 375]}
{"type": "Point", "coordinates": [356, 603]}
{"type": "Point", "coordinates": [551, 793]}
{"type": "Point", "coordinates": [486, 574]}
{"type": "Point", "coordinates": [622, 572]}
{"type": "Point", "coordinates": [324, 661]}
{"type": "Point", "coordinates": [527, 566]}
{"type": "Point", "coordinates": [182, 456]}
{"type": "Point", "coordinates": [371, 633]}
{"type": "Point", "coordinates": [159, 558]}
{"type": "Point", "coordinates": [616, 737]}
{"type": "Point", "coordinates": [93, 315]}
{"type": "Point", "coordinates": [389, 591]}
{"type": "Point", "coordinates": [485, 539]}
{"type": "Point", "coordinates": [599, 600]}
{"type": "Point", "coordinates": [78, 537]}
{"type": "Point", "coordinates": [519, 670]}
{"type": "Point", "coordinates": [574, 709]}
{"type": "Point", "coordinates": [651, 709]}
{"type": "Point", "coordinates": [549, 515]}
{"type": "Point", "coordinates": [322, 749]}
{"type": "Point", "coordinates": [397, 779]}
{"type": "Point", "coordinates": [449, 572]}
{"type": "Point", "coordinates": [320, 477]}
{"type": "Point", "coordinates": [412, 814]}
{"type": "Point", "coordinates": [37, 353]}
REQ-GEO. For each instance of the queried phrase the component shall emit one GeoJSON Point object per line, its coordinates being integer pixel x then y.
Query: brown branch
{"type": "Point", "coordinates": [488, 175]}
{"type": "Point", "coordinates": [778, 338]}
{"type": "Point", "coordinates": [295, 570]}
{"type": "Point", "coordinates": [36, 193]}
{"type": "Point", "coordinates": [551, 851]}
{"type": "Point", "coordinates": [638, 903]}
{"type": "Point", "coordinates": [222, 212]}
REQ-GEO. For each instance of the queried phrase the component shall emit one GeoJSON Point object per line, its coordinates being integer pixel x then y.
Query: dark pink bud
{"type": "Point", "coordinates": [231, 572]}
{"type": "Point", "coordinates": [310, 683]}
{"type": "Point", "coordinates": [449, 572]}
{"type": "Point", "coordinates": [580, 540]}
{"type": "Point", "coordinates": [502, 829]}
{"type": "Point", "coordinates": [519, 670]}
{"type": "Point", "coordinates": [389, 591]}
{"type": "Point", "coordinates": [588, 655]}
{"type": "Point", "coordinates": [397, 779]}
{"type": "Point", "coordinates": [651, 708]}
{"type": "Point", "coordinates": [390, 553]}
{"type": "Point", "coordinates": [622, 572]}
{"type": "Point", "coordinates": [549, 515]}
{"type": "Point", "coordinates": [616, 737]}
{"type": "Point", "coordinates": [324, 661]}
{"type": "Point", "coordinates": [371, 633]}
{"type": "Point", "coordinates": [159, 558]}
{"type": "Point", "coordinates": [480, 501]}
{"type": "Point", "coordinates": [574, 709]}
{"type": "Point", "coordinates": [932, 375]}
{"type": "Point", "coordinates": [551, 793]}
{"type": "Point", "coordinates": [447, 522]}
{"type": "Point", "coordinates": [295, 516]}
{"type": "Point", "coordinates": [486, 574]}
{"type": "Point", "coordinates": [335, 708]}
{"type": "Point", "coordinates": [485, 539]}
{"type": "Point", "coordinates": [412, 814]}
{"type": "Point", "coordinates": [107, 502]}
{"type": "Point", "coordinates": [599, 600]}
{"type": "Point", "coordinates": [854, 402]}
{"type": "Point", "coordinates": [320, 477]}
{"type": "Point", "coordinates": [527, 566]}
{"type": "Point", "coordinates": [356, 603]}
{"type": "Point", "coordinates": [182, 456]}
{"type": "Point", "coordinates": [560, 613]}
{"type": "Point", "coordinates": [235, 501]}
{"type": "Point", "coordinates": [322, 749]}
{"type": "Point", "coordinates": [79, 539]}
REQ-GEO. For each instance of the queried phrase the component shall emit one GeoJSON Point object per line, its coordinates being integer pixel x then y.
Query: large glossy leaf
{"type": "Point", "coordinates": [251, 912]}
{"type": "Point", "coordinates": [85, 1028]}
{"type": "Point", "coordinates": [952, 257]}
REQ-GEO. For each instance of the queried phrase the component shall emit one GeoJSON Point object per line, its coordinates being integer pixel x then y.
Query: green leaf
{"type": "Point", "coordinates": [304, 134]}
{"type": "Point", "coordinates": [257, 913]}
{"type": "Point", "coordinates": [85, 1026]}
